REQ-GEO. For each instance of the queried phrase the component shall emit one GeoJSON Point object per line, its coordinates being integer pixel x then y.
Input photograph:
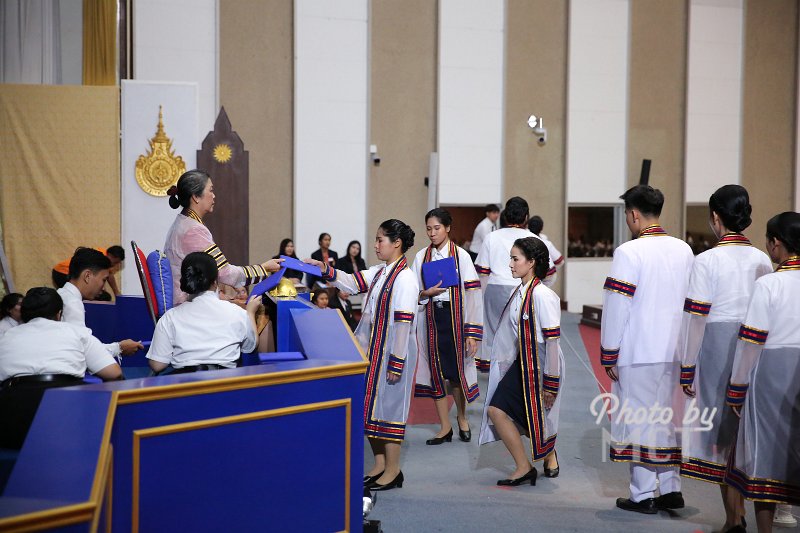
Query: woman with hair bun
{"type": "Point", "coordinates": [386, 333]}
{"type": "Point", "coordinates": [10, 312]}
{"type": "Point", "coordinates": [194, 194]}
{"type": "Point", "coordinates": [526, 369]}
{"type": "Point", "coordinates": [720, 287]}
{"type": "Point", "coordinates": [764, 388]}
{"type": "Point", "coordinates": [205, 333]}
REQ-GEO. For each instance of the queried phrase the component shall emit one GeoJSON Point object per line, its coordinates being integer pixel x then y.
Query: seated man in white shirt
{"type": "Point", "coordinates": [88, 273]}
{"type": "Point", "coordinates": [204, 333]}
{"type": "Point", "coordinates": [43, 353]}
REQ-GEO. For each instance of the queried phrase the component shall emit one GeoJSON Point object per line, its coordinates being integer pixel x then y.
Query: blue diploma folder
{"type": "Point", "coordinates": [295, 264]}
{"type": "Point", "coordinates": [443, 270]}
{"type": "Point", "coordinates": [267, 284]}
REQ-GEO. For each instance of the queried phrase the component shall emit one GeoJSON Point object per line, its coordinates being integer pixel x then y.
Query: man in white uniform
{"type": "Point", "coordinates": [642, 311]}
{"type": "Point", "coordinates": [536, 225]}
{"type": "Point", "coordinates": [88, 272]}
{"type": "Point", "coordinates": [43, 353]}
{"type": "Point", "coordinates": [484, 228]}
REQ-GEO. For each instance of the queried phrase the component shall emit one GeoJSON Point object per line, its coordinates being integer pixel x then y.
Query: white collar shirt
{"type": "Point", "coordinates": [203, 330]}
{"type": "Point", "coordinates": [484, 228]}
{"type": "Point", "coordinates": [44, 346]}
{"type": "Point", "coordinates": [6, 324]}
{"type": "Point", "coordinates": [74, 312]}
{"type": "Point", "coordinates": [495, 255]}
{"type": "Point", "coordinates": [438, 255]}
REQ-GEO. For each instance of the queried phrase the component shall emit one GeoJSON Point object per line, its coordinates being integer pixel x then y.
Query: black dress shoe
{"type": "Point", "coordinates": [552, 472]}
{"type": "Point", "coordinates": [530, 476]}
{"type": "Point", "coordinates": [370, 479]}
{"type": "Point", "coordinates": [647, 506]}
{"type": "Point", "coordinates": [736, 529]}
{"type": "Point", "coordinates": [465, 436]}
{"type": "Point", "coordinates": [671, 500]}
{"type": "Point", "coordinates": [448, 437]}
{"type": "Point", "coordinates": [397, 482]}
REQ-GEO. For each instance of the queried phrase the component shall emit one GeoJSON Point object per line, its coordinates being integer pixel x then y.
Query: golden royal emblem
{"type": "Point", "coordinates": [222, 153]}
{"type": "Point", "coordinates": [160, 168]}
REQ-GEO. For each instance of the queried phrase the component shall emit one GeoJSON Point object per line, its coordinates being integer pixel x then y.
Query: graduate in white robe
{"type": "Point", "coordinates": [720, 288]}
{"type": "Point", "coordinates": [449, 330]}
{"type": "Point", "coordinates": [764, 387]}
{"type": "Point", "coordinates": [526, 368]}
{"type": "Point", "coordinates": [496, 278]}
{"type": "Point", "coordinates": [642, 308]}
{"type": "Point", "coordinates": [536, 225]}
{"type": "Point", "coordinates": [386, 334]}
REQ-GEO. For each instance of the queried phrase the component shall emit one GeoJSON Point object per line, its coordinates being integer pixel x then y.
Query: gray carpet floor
{"type": "Point", "coordinates": [452, 487]}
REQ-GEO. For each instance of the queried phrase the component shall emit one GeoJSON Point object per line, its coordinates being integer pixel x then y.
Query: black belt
{"type": "Point", "coordinates": [441, 304]}
{"type": "Point", "coordinates": [40, 378]}
{"type": "Point", "coordinates": [195, 368]}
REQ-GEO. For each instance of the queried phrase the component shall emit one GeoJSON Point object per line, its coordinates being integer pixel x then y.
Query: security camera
{"type": "Point", "coordinates": [376, 161]}
{"type": "Point", "coordinates": [541, 135]}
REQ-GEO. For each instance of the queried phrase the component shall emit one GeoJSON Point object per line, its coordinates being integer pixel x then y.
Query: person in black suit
{"type": "Point", "coordinates": [352, 262]}
{"type": "Point", "coordinates": [323, 254]}
{"type": "Point", "coordinates": [287, 249]}
{"type": "Point", "coordinates": [341, 300]}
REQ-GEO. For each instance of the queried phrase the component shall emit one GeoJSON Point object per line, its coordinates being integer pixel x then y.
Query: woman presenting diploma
{"type": "Point", "coordinates": [194, 193]}
{"type": "Point", "coordinates": [386, 333]}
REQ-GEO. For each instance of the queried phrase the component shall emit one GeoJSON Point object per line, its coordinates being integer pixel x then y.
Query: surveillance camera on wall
{"type": "Point", "coordinates": [537, 126]}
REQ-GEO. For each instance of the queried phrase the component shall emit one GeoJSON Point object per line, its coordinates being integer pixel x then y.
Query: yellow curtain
{"type": "Point", "coordinates": [99, 42]}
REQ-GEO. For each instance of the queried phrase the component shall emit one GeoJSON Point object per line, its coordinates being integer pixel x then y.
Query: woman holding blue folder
{"type": "Point", "coordinates": [450, 327]}
{"type": "Point", "coordinates": [386, 333]}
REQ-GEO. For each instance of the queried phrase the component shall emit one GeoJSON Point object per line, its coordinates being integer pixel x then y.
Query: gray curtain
{"type": "Point", "coordinates": [30, 41]}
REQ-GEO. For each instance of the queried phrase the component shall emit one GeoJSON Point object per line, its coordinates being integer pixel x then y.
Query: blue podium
{"type": "Point", "coordinates": [270, 447]}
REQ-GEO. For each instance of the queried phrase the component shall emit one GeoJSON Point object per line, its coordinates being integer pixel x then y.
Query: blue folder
{"type": "Point", "coordinates": [443, 270]}
{"type": "Point", "coordinates": [296, 264]}
{"type": "Point", "coordinates": [267, 284]}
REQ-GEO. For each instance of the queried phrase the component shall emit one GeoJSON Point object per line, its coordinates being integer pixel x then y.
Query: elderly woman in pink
{"type": "Point", "coordinates": [194, 194]}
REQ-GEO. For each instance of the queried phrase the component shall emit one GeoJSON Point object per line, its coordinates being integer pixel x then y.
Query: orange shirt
{"type": "Point", "coordinates": [63, 266]}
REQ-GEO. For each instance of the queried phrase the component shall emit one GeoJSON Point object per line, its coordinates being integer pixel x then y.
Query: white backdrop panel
{"type": "Point", "coordinates": [586, 279]}
{"type": "Point", "coordinates": [145, 218]}
{"type": "Point", "coordinates": [714, 97]}
{"type": "Point", "coordinates": [331, 124]}
{"type": "Point", "coordinates": [471, 62]}
{"type": "Point", "coordinates": [599, 36]}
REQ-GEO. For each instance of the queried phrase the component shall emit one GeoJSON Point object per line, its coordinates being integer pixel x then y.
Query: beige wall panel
{"type": "Point", "coordinates": [536, 83]}
{"type": "Point", "coordinates": [768, 103]}
{"type": "Point", "coordinates": [256, 89]}
{"type": "Point", "coordinates": [402, 113]}
{"type": "Point", "coordinates": [657, 102]}
{"type": "Point", "coordinates": [59, 175]}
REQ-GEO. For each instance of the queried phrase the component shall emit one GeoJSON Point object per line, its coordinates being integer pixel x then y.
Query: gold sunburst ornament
{"type": "Point", "coordinates": [222, 153]}
{"type": "Point", "coordinates": [160, 168]}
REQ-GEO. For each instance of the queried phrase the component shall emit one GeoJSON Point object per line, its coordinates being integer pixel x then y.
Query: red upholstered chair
{"type": "Point", "coordinates": [146, 281]}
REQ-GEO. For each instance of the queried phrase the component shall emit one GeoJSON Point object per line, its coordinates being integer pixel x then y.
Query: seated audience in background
{"type": "Point", "coordinates": [287, 249]}
{"type": "Point", "coordinates": [204, 333]}
{"type": "Point", "coordinates": [484, 228]}
{"type": "Point", "coordinates": [88, 272]}
{"type": "Point", "coordinates": [10, 311]}
{"type": "Point", "coordinates": [115, 254]}
{"type": "Point", "coordinates": [320, 298]}
{"type": "Point", "coordinates": [352, 262]}
{"type": "Point", "coordinates": [341, 300]}
{"type": "Point", "coordinates": [323, 254]}
{"type": "Point", "coordinates": [43, 353]}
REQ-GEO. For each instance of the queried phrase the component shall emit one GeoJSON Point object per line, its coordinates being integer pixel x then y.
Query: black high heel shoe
{"type": "Point", "coordinates": [397, 482]}
{"type": "Point", "coordinates": [448, 437]}
{"type": "Point", "coordinates": [530, 476]}
{"type": "Point", "coordinates": [464, 435]}
{"type": "Point", "coordinates": [371, 479]}
{"type": "Point", "coordinates": [548, 472]}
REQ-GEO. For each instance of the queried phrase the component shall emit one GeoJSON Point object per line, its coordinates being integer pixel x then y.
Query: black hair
{"type": "Point", "coordinates": [315, 296]}
{"type": "Point", "coordinates": [491, 208]}
{"type": "Point", "coordinates": [646, 199]}
{"type": "Point", "coordinates": [198, 272]}
{"type": "Point", "coordinates": [117, 251]}
{"type": "Point", "coordinates": [396, 229]}
{"type": "Point", "coordinates": [535, 250]}
{"type": "Point", "coordinates": [322, 236]}
{"type": "Point", "coordinates": [442, 214]}
{"type": "Point", "coordinates": [191, 183]}
{"type": "Point", "coordinates": [87, 258]}
{"type": "Point", "coordinates": [502, 219]}
{"type": "Point", "coordinates": [284, 244]}
{"type": "Point", "coordinates": [8, 303]}
{"type": "Point", "coordinates": [351, 243]}
{"type": "Point", "coordinates": [536, 224]}
{"type": "Point", "coordinates": [786, 228]}
{"type": "Point", "coordinates": [41, 302]}
{"type": "Point", "coordinates": [732, 204]}
{"type": "Point", "coordinates": [516, 210]}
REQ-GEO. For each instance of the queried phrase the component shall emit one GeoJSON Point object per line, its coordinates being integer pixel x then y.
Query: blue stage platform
{"type": "Point", "coordinates": [277, 446]}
